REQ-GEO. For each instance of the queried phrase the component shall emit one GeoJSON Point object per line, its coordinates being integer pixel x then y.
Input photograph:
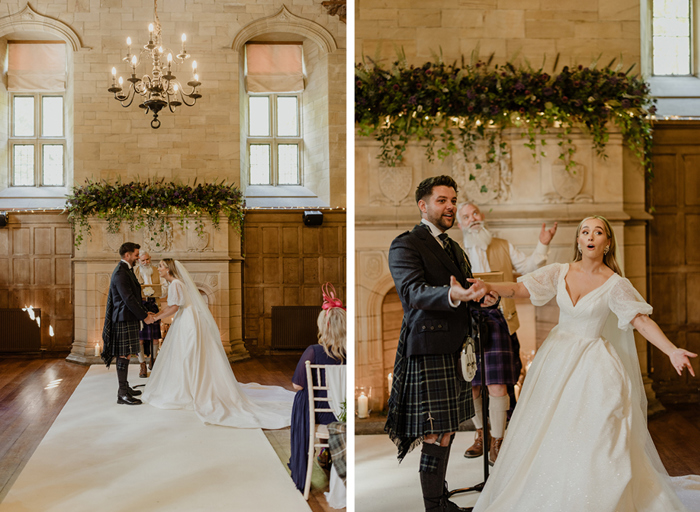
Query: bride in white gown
{"type": "Point", "coordinates": [578, 439]}
{"type": "Point", "coordinates": [194, 373]}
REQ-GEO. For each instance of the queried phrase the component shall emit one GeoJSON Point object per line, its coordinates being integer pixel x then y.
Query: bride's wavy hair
{"type": "Point", "coordinates": [331, 332]}
{"type": "Point", "coordinates": [170, 263]}
{"type": "Point", "coordinates": [609, 259]}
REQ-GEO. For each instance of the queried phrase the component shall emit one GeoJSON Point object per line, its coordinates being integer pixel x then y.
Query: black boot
{"type": "Point", "coordinates": [124, 395]}
{"type": "Point", "coordinates": [432, 478]}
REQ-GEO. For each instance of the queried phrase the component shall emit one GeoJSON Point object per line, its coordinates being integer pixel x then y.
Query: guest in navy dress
{"type": "Point", "coordinates": [329, 350]}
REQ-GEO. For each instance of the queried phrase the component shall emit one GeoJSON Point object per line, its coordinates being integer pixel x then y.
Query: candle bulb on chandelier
{"type": "Point", "coordinates": [128, 46]}
{"type": "Point", "coordinates": [114, 76]}
{"type": "Point", "coordinates": [184, 38]}
{"type": "Point", "coordinates": [121, 82]}
{"type": "Point", "coordinates": [133, 64]}
{"type": "Point", "coordinates": [150, 33]}
{"type": "Point", "coordinates": [170, 61]}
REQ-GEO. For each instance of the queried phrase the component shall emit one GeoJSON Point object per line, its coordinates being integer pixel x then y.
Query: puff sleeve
{"type": "Point", "coordinates": [176, 293]}
{"type": "Point", "coordinates": [542, 283]}
{"type": "Point", "coordinates": [626, 302]}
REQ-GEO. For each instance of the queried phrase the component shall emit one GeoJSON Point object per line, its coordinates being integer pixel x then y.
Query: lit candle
{"type": "Point", "coordinates": [134, 61]}
{"type": "Point", "coordinates": [150, 33]}
{"type": "Point", "coordinates": [128, 46]}
{"type": "Point", "coordinates": [114, 76]}
{"type": "Point", "coordinates": [121, 81]}
{"type": "Point", "coordinates": [97, 349]}
{"type": "Point", "coordinates": [362, 406]}
{"type": "Point", "coordinates": [194, 68]}
{"type": "Point", "coordinates": [170, 61]}
{"type": "Point", "coordinates": [184, 38]}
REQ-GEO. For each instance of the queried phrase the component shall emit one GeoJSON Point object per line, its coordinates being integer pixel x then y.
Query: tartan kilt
{"type": "Point", "coordinates": [434, 389]}
{"type": "Point", "coordinates": [125, 337]}
{"type": "Point", "coordinates": [150, 331]}
{"type": "Point", "coordinates": [501, 351]}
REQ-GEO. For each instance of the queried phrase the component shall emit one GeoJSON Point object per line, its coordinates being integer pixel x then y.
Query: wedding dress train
{"type": "Point", "coordinates": [193, 372]}
{"type": "Point", "coordinates": [578, 439]}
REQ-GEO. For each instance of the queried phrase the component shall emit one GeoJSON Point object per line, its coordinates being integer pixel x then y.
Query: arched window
{"type": "Point", "coordinates": [36, 109]}
{"type": "Point", "coordinates": [285, 111]}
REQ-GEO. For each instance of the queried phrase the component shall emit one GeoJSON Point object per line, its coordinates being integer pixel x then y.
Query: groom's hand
{"type": "Point", "coordinates": [458, 292]}
{"type": "Point", "coordinates": [150, 318]}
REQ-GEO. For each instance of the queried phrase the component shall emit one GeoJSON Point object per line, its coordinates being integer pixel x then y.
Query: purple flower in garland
{"type": "Point", "coordinates": [413, 100]}
{"type": "Point", "coordinates": [547, 91]}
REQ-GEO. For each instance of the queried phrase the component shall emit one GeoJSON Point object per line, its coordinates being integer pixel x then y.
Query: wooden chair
{"type": "Point", "coordinates": [318, 434]}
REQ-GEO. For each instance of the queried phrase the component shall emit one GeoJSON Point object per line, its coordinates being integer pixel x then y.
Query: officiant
{"type": "Point", "coordinates": [150, 335]}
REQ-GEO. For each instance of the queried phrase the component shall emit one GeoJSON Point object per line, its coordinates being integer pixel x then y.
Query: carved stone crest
{"type": "Point", "coordinates": [103, 283]}
{"type": "Point", "coordinates": [113, 241]}
{"type": "Point", "coordinates": [567, 185]}
{"type": "Point", "coordinates": [395, 184]}
{"type": "Point", "coordinates": [483, 182]}
{"type": "Point", "coordinates": [197, 242]}
{"type": "Point", "coordinates": [159, 241]}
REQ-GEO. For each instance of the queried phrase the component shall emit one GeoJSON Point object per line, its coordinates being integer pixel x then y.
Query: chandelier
{"type": "Point", "coordinates": [160, 89]}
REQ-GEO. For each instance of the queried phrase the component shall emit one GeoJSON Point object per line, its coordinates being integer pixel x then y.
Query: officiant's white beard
{"type": "Point", "coordinates": [476, 235]}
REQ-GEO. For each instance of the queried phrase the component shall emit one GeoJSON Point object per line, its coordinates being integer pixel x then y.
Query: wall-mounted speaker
{"type": "Point", "coordinates": [313, 218]}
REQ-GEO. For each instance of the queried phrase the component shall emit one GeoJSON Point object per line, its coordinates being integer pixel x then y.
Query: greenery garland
{"type": "Point", "coordinates": [148, 203]}
{"type": "Point", "coordinates": [460, 105]}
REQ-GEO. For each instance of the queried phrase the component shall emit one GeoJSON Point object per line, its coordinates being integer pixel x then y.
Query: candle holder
{"type": "Point", "coordinates": [363, 401]}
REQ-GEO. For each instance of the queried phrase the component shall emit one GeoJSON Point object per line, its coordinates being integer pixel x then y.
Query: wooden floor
{"type": "Point", "coordinates": [33, 392]}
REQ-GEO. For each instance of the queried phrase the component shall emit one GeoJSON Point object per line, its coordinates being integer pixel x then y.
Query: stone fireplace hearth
{"type": "Point", "coordinates": [520, 194]}
{"type": "Point", "coordinates": [214, 260]}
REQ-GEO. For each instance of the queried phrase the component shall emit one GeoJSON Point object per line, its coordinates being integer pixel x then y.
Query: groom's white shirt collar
{"type": "Point", "coordinates": [127, 264]}
{"type": "Point", "coordinates": [433, 230]}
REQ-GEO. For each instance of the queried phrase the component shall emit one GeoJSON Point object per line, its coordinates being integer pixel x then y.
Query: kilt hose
{"type": "Point", "coordinates": [501, 351]}
{"type": "Point", "coordinates": [428, 396]}
{"type": "Point", "coordinates": [125, 337]}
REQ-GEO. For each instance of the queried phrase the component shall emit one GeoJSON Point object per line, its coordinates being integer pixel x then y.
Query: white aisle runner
{"type": "Point", "coordinates": [99, 455]}
{"type": "Point", "coordinates": [382, 484]}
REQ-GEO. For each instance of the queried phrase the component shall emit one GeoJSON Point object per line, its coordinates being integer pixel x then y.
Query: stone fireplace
{"type": "Point", "coordinates": [517, 194]}
{"type": "Point", "coordinates": [213, 259]}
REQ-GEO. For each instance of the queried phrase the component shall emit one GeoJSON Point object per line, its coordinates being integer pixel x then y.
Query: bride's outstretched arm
{"type": "Point", "coordinates": [480, 288]}
{"type": "Point", "coordinates": [652, 332]}
{"type": "Point", "coordinates": [169, 311]}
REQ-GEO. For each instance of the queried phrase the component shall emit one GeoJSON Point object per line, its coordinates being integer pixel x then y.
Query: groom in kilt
{"type": "Point", "coordinates": [429, 398]}
{"type": "Point", "coordinates": [123, 317]}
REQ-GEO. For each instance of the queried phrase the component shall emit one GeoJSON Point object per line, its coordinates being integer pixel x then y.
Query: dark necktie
{"type": "Point", "coordinates": [445, 239]}
{"type": "Point", "coordinates": [464, 264]}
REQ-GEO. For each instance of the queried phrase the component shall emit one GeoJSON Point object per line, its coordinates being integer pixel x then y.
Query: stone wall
{"type": "Point", "coordinates": [36, 270]}
{"type": "Point", "coordinates": [286, 263]}
{"type": "Point", "coordinates": [530, 29]}
{"type": "Point", "coordinates": [200, 142]}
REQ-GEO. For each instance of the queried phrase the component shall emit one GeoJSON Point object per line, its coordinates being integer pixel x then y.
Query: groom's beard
{"type": "Point", "coordinates": [477, 236]}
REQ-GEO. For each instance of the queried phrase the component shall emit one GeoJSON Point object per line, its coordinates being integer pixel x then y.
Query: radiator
{"type": "Point", "coordinates": [294, 327]}
{"type": "Point", "coordinates": [18, 332]}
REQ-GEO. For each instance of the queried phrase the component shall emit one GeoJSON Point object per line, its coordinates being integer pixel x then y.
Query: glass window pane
{"type": "Point", "coordinates": [23, 164]}
{"type": "Point", "coordinates": [52, 116]}
{"type": "Point", "coordinates": [52, 163]}
{"type": "Point", "coordinates": [288, 158]}
{"type": "Point", "coordinates": [671, 37]}
{"type": "Point", "coordinates": [260, 164]}
{"type": "Point", "coordinates": [23, 116]}
{"type": "Point", "coordinates": [259, 116]}
{"type": "Point", "coordinates": [287, 117]}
